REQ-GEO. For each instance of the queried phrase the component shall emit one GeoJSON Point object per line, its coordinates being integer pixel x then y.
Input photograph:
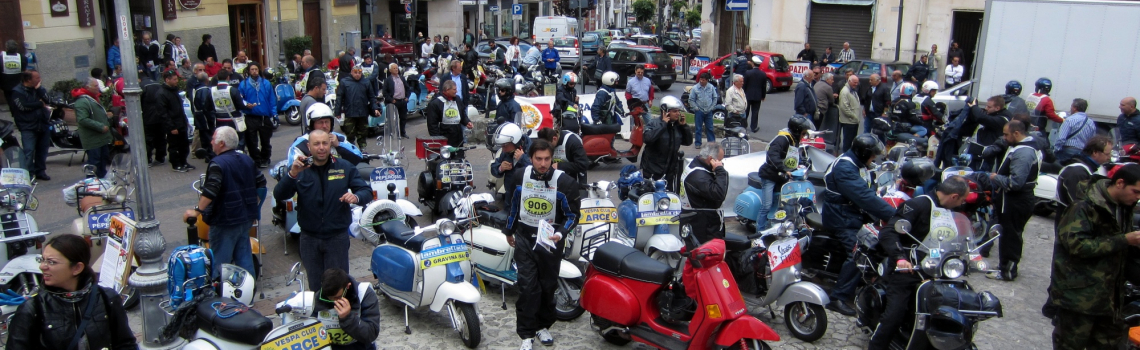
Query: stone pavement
{"type": "Point", "coordinates": [1021, 328]}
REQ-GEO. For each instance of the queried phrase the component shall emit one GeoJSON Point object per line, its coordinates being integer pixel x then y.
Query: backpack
{"type": "Point", "coordinates": [188, 271]}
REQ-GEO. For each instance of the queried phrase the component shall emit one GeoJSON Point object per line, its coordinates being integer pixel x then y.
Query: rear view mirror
{"type": "Point", "coordinates": [294, 273]}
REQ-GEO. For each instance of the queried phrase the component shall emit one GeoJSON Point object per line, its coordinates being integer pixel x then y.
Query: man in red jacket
{"type": "Point", "coordinates": [1041, 105]}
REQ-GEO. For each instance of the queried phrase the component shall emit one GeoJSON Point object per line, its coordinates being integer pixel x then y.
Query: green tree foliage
{"type": "Point", "coordinates": [644, 10]}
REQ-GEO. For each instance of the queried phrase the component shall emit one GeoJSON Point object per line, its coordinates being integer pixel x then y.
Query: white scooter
{"type": "Point", "coordinates": [19, 243]}
{"type": "Point", "coordinates": [424, 267]}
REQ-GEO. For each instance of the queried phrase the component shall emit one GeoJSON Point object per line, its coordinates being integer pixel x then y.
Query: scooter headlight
{"type": "Point", "coordinates": [445, 152]}
{"type": "Point", "coordinates": [446, 227]}
{"type": "Point", "coordinates": [663, 204]}
{"type": "Point", "coordinates": [953, 268]}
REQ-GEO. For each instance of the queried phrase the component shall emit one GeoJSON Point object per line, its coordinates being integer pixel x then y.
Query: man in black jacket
{"type": "Point", "coordinates": [206, 50]}
{"type": "Point", "coordinates": [1014, 181]}
{"type": "Point", "coordinates": [171, 118]}
{"type": "Point", "coordinates": [147, 52]}
{"type": "Point", "coordinates": [602, 64]}
{"type": "Point", "coordinates": [569, 154]}
{"type": "Point", "coordinates": [986, 127]}
{"type": "Point", "coordinates": [154, 122]}
{"type": "Point", "coordinates": [446, 116]}
{"type": "Point", "coordinates": [356, 102]}
{"type": "Point", "coordinates": [924, 213]}
{"type": "Point", "coordinates": [805, 101]}
{"type": "Point", "coordinates": [349, 311]}
{"type": "Point", "coordinates": [396, 92]}
{"type": "Point", "coordinates": [876, 101]}
{"type": "Point", "coordinates": [705, 187]}
{"type": "Point", "coordinates": [1097, 151]}
{"type": "Point", "coordinates": [324, 191]}
{"type": "Point", "coordinates": [663, 138]}
{"type": "Point", "coordinates": [470, 60]}
{"type": "Point", "coordinates": [808, 55]}
{"type": "Point", "coordinates": [31, 116]}
{"type": "Point", "coordinates": [755, 90]}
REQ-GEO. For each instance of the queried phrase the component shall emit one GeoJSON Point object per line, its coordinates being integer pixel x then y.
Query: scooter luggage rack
{"type": "Point", "coordinates": [591, 244]}
{"type": "Point", "coordinates": [735, 146]}
{"type": "Point", "coordinates": [458, 174]}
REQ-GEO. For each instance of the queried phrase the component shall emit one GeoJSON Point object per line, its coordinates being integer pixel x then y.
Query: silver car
{"type": "Point", "coordinates": [569, 51]}
{"type": "Point", "coordinates": [955, 96]}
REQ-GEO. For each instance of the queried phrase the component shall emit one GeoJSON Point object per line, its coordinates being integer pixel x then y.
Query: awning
{"type": "Point", "coordinates": [845, 2]}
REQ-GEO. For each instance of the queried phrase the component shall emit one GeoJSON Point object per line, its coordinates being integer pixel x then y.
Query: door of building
{"type": "Point", "coordinates": [967, 28]}
{"type": "Point", "coordinates": [313, 28]}
{"type": "Point", "coordinates": [729, 32]}
{"type": "Point", "coordinates": [246, 33]}
{"type": "Point", "coordinates": [10, 22]}
{"type": "Point", "coordinates": [832, 25]}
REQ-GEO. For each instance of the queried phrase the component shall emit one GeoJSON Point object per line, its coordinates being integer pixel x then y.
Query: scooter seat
{"type": "Point", "coordinates": [755, 181]}
{"type": "Point", "coordinates": [400, 234]}
{"type": "Point", "coordinates": [624, 261]}
{"type": "Point", "coordinates": [736, 243]}
{"type": "Point", "coordinates": [246, 327]}
{"type": "Point", "coordinates": [815, 220]}
{"type": "Point", "coordinates": [600, 129]}
{"type": "Point", "coordinates": [496, 219]}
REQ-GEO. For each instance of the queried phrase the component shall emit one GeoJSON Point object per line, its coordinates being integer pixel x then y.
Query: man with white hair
{"type": "Point", "coordinates": [705, 187]}
{"type": "Point", "coordinates": [847, 54]}
{"type": "Point", "coordinates": [230, 201]}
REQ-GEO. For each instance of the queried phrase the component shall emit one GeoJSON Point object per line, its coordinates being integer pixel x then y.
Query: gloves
{"type": "Point", "coordinates": [9, 297]}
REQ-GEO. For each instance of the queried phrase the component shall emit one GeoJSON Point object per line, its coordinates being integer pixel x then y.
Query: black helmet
{"type": "Point", "coordinates": [798, 124]}
{"type": "Point", "coordinates": [506, 86]}
{"type": "Point", "coordinates": [422, 64]}
{"type": "Point", "coordinates": [1013, 87]}
{"type": "Point", "coordinates": [917, 170]}
{"type": "Point", "coordinates": [866, 146]}
{"type": "Point", "coordinates": [1043, 85]}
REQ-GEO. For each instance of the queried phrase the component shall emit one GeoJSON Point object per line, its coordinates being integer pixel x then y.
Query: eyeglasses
{"type": "Point", "coordinates": [320, 296]}
{"type": "Point", "coordinates": [49, 262]}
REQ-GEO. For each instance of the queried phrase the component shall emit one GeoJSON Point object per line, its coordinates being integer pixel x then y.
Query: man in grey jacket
{"type": "Point", "coordinates": [1015, 179]}
{"type": "Point", "coordinates": [850, 112]}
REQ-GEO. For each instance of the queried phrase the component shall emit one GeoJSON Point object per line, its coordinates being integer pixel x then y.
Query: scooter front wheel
{"type": "Point", "coordinates": [807, 322]}
{"type": "Point", "coordinates": [293, 116]}
{"type": "Point", "coordinates": [566, 306]}
{"type": "Point", "coordinates": [468, 322]}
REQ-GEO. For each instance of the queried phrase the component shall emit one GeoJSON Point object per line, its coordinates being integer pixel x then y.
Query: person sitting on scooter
{"type": "Point", "coordinates": [566, 98]}
{"type": "Point", "coordinates": [349, 311]}
{"type": "Point", "coordinates": [923, 212]}
{"type": "Point", "coordinates": [569, 153]}
{"type": "Point", "coordinates": [508, 110]}
{"type": "Point", "coordinates": [550, 209]}
{"type": "Point", "coordinates": [509, 137]}
{"type": "Point", "coordinates": [848, 199]}
{"type": "Point", "coordinates": [705, 187]}
{"type": "Point", "coordinates": [607, 108]}
{"type": "Point", "coordinates": [905, 111]}
{"type": "Point", "coordinates": [446, 117]}
{"type": "Point", "coordinates": [782, 158]}
{"type": "Point", "coordinates": [663, 139]}
{"type": "Point", "coordinates": [930, 113]}
{"type": "Point", "coordinates": [320, 117]}
{"type": "Point", "coordinates": [71, 297]}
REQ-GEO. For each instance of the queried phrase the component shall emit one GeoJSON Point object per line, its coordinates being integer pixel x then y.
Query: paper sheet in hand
{"type": "Point", "coordinates": [545, 232]}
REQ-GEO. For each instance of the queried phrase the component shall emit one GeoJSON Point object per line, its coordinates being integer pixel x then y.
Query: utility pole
{"type": "Point", "coordinates": [280, 37]}
{"type": "Point", "coordinates": [149, 280]}
{"type": "Point", "coordinates": [898, 34]}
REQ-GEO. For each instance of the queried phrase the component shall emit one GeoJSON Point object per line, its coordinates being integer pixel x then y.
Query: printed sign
{"type": "Point", "coordinates": [799, 68]}
{"type": "Point", "coordinates": [593, 215]}
{"type": "Point", "coordinates": [657, 217]}
{"type": "Point", "coordinates": [308, 338]}
{"type": "Point", "coordinates": [190, 4]}
{"type": "Point", "coordinates": [102, 221]}
{"type": "Point", "coordinates": [677, 63]}
{"type": "Point", "coordinates": [388, 174]}
{"type": "Point", "coordinates": [697, 63]}
{"type": "Point", "coordinates": [443, 255]}
{"type": "Point", "coordinates": [119, 253]}
{"type": "Point", "coordinates": [59, 8]}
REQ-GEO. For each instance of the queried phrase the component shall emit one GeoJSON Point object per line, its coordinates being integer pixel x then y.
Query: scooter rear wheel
{"type": "Point", "coordinates": [293, 116]}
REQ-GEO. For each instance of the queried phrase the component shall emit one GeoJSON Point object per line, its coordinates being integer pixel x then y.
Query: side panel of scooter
{"type": "Point", "coordinates": [205, 341]}
{"type": "Point", "coordinates": [627, 217]}
{"type": "Point", "coordinates": [803, 291]}
{"type": "Point", "coordinates": [748, 204]}
{"type": "Point", "coordinates": [607, 297]}
{"type": "Point", "coordinates": [1046, 187]}
{"type": "Point", "coordinates": [598, 145]}
{"type": "Point", "coordinates": [489, 248]}
{"type": "Point", "coordinates": [394, 266]}
{"type": "Point", "coordinates": [717, 286]}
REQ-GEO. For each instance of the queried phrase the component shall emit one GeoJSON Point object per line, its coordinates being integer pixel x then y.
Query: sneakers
{"type": "Point", "coordinates": [182, 169]}
{"type": "Point", "coordinates": [527, 344]}
{"type": "Point", "coordinates": [156, 163]}
{"type": "Point", "coordinates": [263, 165]}
{"type": "Point", "coordinates": [544, 337]}
{"type": "Point", "coordinates": [189, 167]}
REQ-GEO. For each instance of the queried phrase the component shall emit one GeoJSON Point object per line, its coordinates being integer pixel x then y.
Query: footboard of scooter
{"type": "Point", "coordinates": [745, 327]}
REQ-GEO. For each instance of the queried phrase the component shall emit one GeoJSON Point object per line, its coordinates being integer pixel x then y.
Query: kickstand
{"type": "Point", "coordinates": [407, 328]}
{"type": "Point", "coordinates": [503, 289]}
{"type": "Point", "coordinates": [770, 312]}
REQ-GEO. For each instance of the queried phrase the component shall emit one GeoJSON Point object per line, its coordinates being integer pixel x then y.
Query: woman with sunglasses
{"type": "Point", "coordinates": [348, 310]}
{"type": "Point", "coordinates": [72, 311]}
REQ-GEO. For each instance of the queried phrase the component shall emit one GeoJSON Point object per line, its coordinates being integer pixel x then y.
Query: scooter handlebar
{"type": "Point", "coordinates": [284, 309]}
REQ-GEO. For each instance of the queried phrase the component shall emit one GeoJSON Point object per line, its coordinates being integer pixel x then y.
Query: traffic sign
{"type": "Point", "coordinates": [736, 5]}
{"type": "Point", "coordinates": [494, 9]}
{"type": "Point", "coordinates": [517, 9]}
{"type": "Point", "coordinates": [517, 17]}
{"type": "Point", "coordinates": [408, 8]}
{"type": "Point", "coordinates": [631, 19]}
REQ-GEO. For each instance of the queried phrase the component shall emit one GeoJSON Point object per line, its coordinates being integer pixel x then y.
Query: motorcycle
{"type": "Point", "coordinates": [747, 204]}
{"type": "Point", "coordinates": [424, 267]}
{"type": "Point", "coordinates": [947, 309]}
{"type": "Point", "coordinates": [598, 139]}
{"type": "Point", "coordinates": [979, 202]}
{"type": "Point", "coordinates": [21, 240]}
{"type": "Point", "coordinates": [893, 132]}
{"type": "Point", "coordinates": [287, 102]}
{"type": "Point", "coordinates": [446, 174]}
{"type": "Point", "coordinates": [645, 220]}
{"type": "Point", "coordinates": [632, 297]}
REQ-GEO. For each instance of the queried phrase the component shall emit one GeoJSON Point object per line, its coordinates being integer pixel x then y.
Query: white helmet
{"type": "Point", "coordinates": [609, 78]}
{"type": "Point", "coordinates": [318, 111]}
{"type": "Point", "coordinates": [508, 133]}
{"type": "Point", "coordinates": [757, 60]}
{"type": "Point", "coordinates": [929, 85]}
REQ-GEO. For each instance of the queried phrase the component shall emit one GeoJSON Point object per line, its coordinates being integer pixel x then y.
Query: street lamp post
{"type": "Point", "coordinates": [150, 278]}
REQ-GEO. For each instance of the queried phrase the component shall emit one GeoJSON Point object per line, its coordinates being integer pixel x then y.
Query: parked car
{"type": "Point", "coordinates": [677, 36]}
{"type": "Point", "coordinates": [569, 52]}
{"type": "Point", "coordinates": [631, 31]}
{"type": "Point", "coordinates": [549, 27]}
{"type": "Point", "coordinates": [392, 50]}
{"type": "Point", "coordinates": [604, 35]}
{"type": "Point", "coordinates": [695, 33]}
{"type": "Point", "coordinates": [955, 96]}
{"type": "Point", "coordinates": [658, 65]}
{"type": "Point", "coordinates": [774, 65]}
{"type": "Point", "coordinates": [484, 50]}
{"type": "Point", "coordinates": [865, 68]}
{"type": "Point", "coordinates": [616, 34]}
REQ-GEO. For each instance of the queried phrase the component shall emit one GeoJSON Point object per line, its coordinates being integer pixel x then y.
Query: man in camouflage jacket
{"type": "Point", "coordinates": [1088, 258]}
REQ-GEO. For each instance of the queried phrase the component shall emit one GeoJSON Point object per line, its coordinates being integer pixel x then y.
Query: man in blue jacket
{"type": "Point", "coordinates": [805, 102]}
{"type": "Point", "coordinates": [261, 106]}
{"type": "Point", "coordinates": [325, 187]}
{"type": "Point", "coordinates": [849, 196]}
{"type": "Point", "coordinates": [550, 58]}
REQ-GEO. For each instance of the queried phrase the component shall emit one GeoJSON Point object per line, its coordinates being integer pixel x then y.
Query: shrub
{"type": "Point", "coordinates": [297, 45]}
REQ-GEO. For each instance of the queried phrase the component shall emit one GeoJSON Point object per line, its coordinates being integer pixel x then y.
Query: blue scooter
{"type": "Point", "coordinates": [747, 205]}
{"type": "Point", "coordinates": [287, 103]}
{"type": "Point", "coordinates": [646, 218]}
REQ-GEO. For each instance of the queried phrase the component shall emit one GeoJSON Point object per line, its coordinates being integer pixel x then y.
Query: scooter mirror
{"type": "Point", "coordinates": [995, 230]}
{"type": "Point", "coordinates": [903, 226]}
{"type": "Point", "coordinates": [294, 273]}
{"type": "Point", "coordinates": [467, 190]}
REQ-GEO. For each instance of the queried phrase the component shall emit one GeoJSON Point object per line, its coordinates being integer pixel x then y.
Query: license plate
{"type": "Point", "coordinates": [657, 218]}
{"type": "Point", "coordinates": [666, 78]}
{"type": "Point", "coordinates": [444, 255]}
{"type": "Point", "coordinates": [102, 221]}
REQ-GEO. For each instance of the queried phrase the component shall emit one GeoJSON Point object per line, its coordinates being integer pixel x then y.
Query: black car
{"type": "Point", "coordinates": [658, 65]}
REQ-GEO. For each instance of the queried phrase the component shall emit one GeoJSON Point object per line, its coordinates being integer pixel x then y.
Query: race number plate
{"type": "Point", "coordinates": [444, 255]}
{"type": "Point", "coordinates": [657, 217]}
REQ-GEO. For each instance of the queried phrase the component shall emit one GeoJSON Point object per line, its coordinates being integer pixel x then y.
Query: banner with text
{"type": "Point", "coordinates": [697, 63]}
{"type": "Point", "coordinates": [799, 68]}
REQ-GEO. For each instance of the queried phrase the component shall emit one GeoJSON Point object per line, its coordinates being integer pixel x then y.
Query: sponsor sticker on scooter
{"type": "Point", "coordinates": [657, 217]}
{"type": "Point", "coordinates": [784, 253]}
{"type": "Point", "coordinates": [102, 221]}
{"type": "Point", "coordinates": [388, 174]}
{"type": "Point", "coordinates": [594, 215]}
{"type": "Point", "coordinates": [444, 255]}
{"type": "Point", "coordinates": [308, 338]}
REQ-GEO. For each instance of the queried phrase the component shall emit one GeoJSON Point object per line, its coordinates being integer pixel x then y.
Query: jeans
{"type": "Point", "coordinates": [321, 253]}
{"type": "Point", "coordinates": [704, 122]}
{"type": "Point", "coordinates": [849, 274]}
{"type": "Point", "coordinates": [35, 145]}
{"type": "Point", "coordinates": [918, 130]}
{"type": "Point", "coordinates": [230, 245]}
{"type": "Point", "coordinates": [1066, 153]}
{"type": "Point", "coordinates": [99, 158]}
{"type": "Point", "coordinates": [767, 202]}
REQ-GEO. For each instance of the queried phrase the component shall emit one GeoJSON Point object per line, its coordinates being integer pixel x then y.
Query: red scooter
{"type": "Point", "coordinates": [598, 139]}
{"type": "Point", "coordinates": [631, 296]}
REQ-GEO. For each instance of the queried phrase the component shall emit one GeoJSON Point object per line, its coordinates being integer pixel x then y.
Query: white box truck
{"type": "Point", "coordinates": [1090, 49]}
{"type": "Point", "coordinates": [547, 27]}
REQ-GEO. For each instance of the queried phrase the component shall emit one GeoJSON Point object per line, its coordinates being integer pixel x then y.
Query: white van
{"type": "Point", "coordinates": [548, 27]}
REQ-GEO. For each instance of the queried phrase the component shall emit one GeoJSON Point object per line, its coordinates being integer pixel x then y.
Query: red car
{"type": "Point", "coordinates": [391, 50]}
{"type": "Point", "coordinates": [774, 65]}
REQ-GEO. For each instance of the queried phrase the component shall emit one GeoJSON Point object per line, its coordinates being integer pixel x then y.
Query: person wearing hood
{"type": "Point", "coordinates": [70, 296]}
{"type": "Point", "coordinates": [31, 116]}
{"type": "Point", "coordinates": [349, 311]}
{"type": "Point", "coordinates": [94, 126]}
